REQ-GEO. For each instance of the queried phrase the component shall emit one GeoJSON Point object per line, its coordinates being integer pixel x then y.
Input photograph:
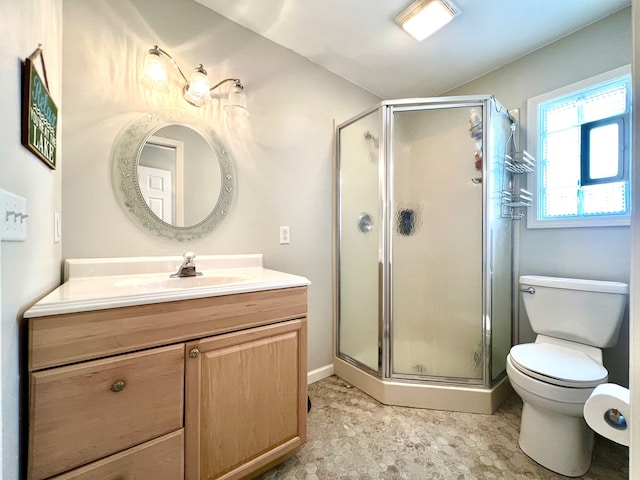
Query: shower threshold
{"type": "Point", "coordinates": [431, 395]}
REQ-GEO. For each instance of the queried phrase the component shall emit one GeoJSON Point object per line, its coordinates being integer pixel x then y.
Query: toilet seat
{"type": "Point", "coordinates": [558, 365]}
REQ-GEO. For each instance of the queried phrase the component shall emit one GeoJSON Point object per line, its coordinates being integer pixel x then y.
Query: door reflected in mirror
{"type": "Point", "coordinates": [179, 175]}
{"type": "Point", "coordinates": [173, 174]}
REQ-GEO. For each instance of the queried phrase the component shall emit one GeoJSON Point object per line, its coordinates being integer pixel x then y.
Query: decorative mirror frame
{"type": "Point", "coordinates": [125, 176]}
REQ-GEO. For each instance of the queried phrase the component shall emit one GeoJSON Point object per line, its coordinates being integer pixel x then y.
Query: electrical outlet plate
{"type": "Point", "coordinates": [285, 238]}
{"type": "Point", "coordinates": [13, 217]}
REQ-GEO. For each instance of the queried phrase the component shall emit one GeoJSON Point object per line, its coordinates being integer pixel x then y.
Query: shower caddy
{"type": "Point", "coordinates": [518, 163]}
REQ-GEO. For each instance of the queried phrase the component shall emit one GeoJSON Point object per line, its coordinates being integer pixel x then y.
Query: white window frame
{"type": "Point", "coordinates": [532, 143]}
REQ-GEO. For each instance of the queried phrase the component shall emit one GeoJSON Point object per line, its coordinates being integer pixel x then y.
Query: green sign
{"type": "Point", "coordinates": [39, 117]}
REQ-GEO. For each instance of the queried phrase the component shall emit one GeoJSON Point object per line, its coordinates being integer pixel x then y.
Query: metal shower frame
{"type": "Point", "coordinates": [385, 238]}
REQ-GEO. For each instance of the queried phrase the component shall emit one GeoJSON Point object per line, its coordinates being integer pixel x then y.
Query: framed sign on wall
{"type": "Point", "coordinates": [39, 112]}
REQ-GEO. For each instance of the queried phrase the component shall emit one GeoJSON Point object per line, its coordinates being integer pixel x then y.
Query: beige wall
{"type": "Point", "coordinates": [600, 253]}
{"type": "Point", "coordinates": [32, 268]}
{"type": "Point", "coordinates": [283, 158]}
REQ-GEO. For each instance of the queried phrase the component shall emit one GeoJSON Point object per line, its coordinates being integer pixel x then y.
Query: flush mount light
{"type": "Point", "coordinates": [424, 17]}
{"type": "Point", "coordinates": [196, 89]}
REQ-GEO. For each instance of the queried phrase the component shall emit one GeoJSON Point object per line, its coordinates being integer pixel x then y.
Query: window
{"type": "Point", "coordinates": [581, 141]}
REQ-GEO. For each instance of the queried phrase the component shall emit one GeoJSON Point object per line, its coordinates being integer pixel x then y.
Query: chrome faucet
{"type": "Point", "coordinates": [188, 267]}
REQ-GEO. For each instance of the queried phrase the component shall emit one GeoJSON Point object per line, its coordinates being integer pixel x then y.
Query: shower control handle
{"type": "Point", "coordinates": [530, 290]}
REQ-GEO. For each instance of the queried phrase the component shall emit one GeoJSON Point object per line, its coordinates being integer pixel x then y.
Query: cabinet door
{"type": "Point", "coordinates": [246, 399]}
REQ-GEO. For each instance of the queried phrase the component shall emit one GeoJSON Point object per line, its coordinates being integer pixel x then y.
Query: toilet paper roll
{"type": "Point", "coordinates": [607, 410]}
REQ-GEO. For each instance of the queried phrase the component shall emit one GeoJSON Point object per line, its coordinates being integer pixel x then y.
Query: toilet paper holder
{"type": "Point", "coordinates": [607, 412]}
{"type": "Point", "coordinates": [615, 419]}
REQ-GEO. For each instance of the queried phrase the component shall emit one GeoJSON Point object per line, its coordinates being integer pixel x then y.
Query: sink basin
{"type": "Point", "coordinates": [168, 283]}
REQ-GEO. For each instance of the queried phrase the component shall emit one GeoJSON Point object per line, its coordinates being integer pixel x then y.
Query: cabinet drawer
{"type": "Point", "coordinates": [84, 412]}
{"type": "Point", "coordinates": [159, 459]}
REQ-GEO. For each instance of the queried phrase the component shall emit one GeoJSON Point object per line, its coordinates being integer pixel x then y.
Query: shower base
{"type": "Point", "coordinates": [456, 398]}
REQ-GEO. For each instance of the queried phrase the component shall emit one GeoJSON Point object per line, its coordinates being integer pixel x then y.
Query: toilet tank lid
{"type": "Point", "coordinates": [575, 284]}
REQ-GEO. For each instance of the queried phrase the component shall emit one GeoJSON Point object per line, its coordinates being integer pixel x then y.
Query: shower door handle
{"type": "Point", "coordinates": [530, 290]}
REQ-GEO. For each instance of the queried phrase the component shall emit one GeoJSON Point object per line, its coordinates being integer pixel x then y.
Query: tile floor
{"type": "Point", "coordinates": [352, 436]}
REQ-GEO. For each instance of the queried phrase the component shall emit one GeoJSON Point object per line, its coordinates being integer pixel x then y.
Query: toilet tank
{"type": "Point", "coordinates": [584, 311]}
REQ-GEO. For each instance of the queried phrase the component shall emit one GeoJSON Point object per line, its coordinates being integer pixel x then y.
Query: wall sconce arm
{"type": "Point", "coordinates": [234, 80]}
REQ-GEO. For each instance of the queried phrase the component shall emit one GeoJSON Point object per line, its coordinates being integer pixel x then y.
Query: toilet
{"type": "Point", "coordinates": [573, 319]}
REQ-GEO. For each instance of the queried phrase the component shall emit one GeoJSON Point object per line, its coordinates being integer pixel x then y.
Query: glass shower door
{"type": "Point", "coordinates": [436, 244]}
{"type": "Point", "coordinates": [359, 239]}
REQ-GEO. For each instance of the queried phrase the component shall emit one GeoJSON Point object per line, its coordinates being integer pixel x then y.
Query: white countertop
{"type": "Point", "coordinates": [97, 284]}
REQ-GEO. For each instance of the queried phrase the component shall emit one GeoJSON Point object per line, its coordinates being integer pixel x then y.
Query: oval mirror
{"type": "Point", "coordinates": [173, 174]}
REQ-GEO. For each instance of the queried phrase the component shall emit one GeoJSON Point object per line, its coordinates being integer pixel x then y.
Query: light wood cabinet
{"type": "Point", "coordinates": [246, 400]}
{"type": "Point", "coordinates": [158, 459]}
{"type": "Point", "coordinates": [84, 412]}
{"type": "Point", "coordinates": [208, 388]}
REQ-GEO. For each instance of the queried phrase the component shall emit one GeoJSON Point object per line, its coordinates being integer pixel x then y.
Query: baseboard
{"type": "Point", "coordinates": [319, 373]}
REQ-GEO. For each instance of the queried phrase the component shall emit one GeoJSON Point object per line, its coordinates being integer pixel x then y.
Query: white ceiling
{"type": "Point", "coordinates": [358, 40]}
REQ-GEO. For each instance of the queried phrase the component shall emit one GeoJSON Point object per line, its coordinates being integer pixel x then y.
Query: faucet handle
{"type": "Point", "coordinates": [189, 257]}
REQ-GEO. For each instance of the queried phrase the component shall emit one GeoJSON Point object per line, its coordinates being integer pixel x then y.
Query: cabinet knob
{"type": "Point", "coordinates": [195, 353]}
{"type": "Point", "coordinates": [118, 386]}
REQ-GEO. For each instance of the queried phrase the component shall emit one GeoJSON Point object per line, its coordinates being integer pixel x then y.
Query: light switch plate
{"type": "Point", "coordinates": [13, 217]}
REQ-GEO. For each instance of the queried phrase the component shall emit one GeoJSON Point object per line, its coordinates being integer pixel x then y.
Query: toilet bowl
{"type": "Point", "coordinates": [555, 376]}
{"type": "Point", "coordinates": [553, 431]}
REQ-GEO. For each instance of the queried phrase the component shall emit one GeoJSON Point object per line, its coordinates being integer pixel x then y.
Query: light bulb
{"type": "Point", "coordinates": [236, 106]}
{"type": "Point", "coordinates": [197, 91]}
{"type": "Point", "coordinates": [154, 71]}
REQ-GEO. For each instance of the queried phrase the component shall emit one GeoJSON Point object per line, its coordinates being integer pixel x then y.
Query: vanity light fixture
{"type": "Point", "coordinates": [424, 17]}
{"type": "Point", "coordinates": [236, 106]}
{"type": "Point", "coordinates": [196, 89]}
{"type": "Point", "coordinates": [196, 92]}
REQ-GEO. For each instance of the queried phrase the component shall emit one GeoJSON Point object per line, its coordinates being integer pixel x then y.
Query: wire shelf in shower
{"type": "Point", "coordinates": [515, 204]}
{"type": "Point", "coordinates": [523, 198]}
{"type": "Point", "coordinates": [519, 162]}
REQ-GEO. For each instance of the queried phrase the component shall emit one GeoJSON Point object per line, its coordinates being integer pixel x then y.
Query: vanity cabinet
{"type": "Point", "coordinates": [204, 388]}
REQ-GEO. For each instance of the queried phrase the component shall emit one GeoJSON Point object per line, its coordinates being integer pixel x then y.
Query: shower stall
{"type": "Point", "coordinates": [425, 204]}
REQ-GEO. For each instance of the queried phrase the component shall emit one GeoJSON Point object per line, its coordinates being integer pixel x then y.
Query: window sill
{"type": "Point", "coordinates": [621, 221]}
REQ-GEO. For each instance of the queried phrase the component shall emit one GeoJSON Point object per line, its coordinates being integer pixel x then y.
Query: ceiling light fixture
{"type": "Point", "coordinates": [424, 17]}
{"type": "Point", "coordinates": [196, 89]}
